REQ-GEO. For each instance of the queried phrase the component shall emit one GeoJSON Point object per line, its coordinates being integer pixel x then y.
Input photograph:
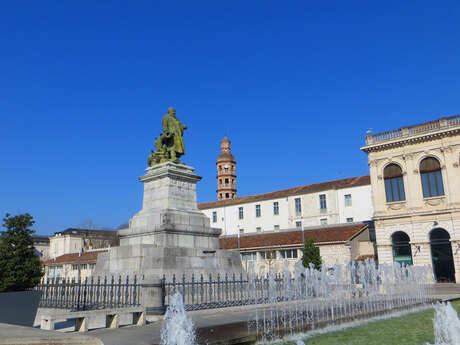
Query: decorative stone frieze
{"type": "Point", "coordinates": [434, 201]}
{"type": "Point", "coordinates": [396, 205]}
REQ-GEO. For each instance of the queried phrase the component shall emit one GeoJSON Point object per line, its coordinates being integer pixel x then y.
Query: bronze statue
{"type": "Point", "coordinates": [170, 144]}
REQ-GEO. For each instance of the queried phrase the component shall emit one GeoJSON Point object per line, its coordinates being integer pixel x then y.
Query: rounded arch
{"type": "Point", "coordinates": [441, 255]}
{"type": "Point", "coordinates": [430, 155]}
{"type": "Point", "coordinates": [399, 237]}
{"type": "Point", "coordinates": [439, 234]}
{"type": "Point", "coordinates": [402, 252]}
{"type": "Point", "coordinates": [392, 169]}
{"type": "Point", "coordinates": [431, 176]}
{"type": "Point", "coordinates": [429, 163]}
{"type": "Point", "coordinates": [394, 182]}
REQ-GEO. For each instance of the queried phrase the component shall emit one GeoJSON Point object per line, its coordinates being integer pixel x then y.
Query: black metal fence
{"type": "Point", "coordinates": [89, 294]}
{"type": "Point", "coordinates": [208, 292]}
{"type": "Point", "coordinates": [203, 292]}
{"type": "Point", "coordinates": [199, 292]}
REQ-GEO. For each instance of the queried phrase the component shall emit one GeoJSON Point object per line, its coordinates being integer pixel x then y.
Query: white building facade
{"type": "Point", "coordinates": [334, 202]}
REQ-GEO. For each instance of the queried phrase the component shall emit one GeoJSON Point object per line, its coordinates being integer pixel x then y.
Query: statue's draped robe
{"type": "Point", "coordinates": [172, 125]}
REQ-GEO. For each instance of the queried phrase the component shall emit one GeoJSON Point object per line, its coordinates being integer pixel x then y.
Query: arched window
{"type": "Point", "coordinates": [402, 252]}
{"type": "Point", "coordinates": [430, 172]}
{"type": "Point", "coordinates": [394, 183]}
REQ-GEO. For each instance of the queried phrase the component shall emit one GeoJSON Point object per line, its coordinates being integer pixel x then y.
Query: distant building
{"type": "Point", "coordinates": [415, 178]}
{"type": "Point", "coordinates": [72, 266]}
{"type": "Point", "coordinates": [73, 252]}
{"type": "Point", "coordinates": [42, 246]}
{"type": "Point", "coordinates": [282, 250]}
{"type": "Point", "coordinates": [74, 240]}
{"type": "Point", "coordinates": [333, 202]}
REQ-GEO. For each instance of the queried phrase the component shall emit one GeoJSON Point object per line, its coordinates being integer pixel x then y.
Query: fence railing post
{"type": "Point", "coordinates": [126, 301]}
{"type": "Point", "coordinates": [85, 294]}
{"type": "Point", "coordinates": [135, 292]}
{"type": "Point", "coordinates": [193, 289]}
{"type": "Point", "coordinates": [119, 291]}
{"type": "Point", "coordinates": [112, 284]}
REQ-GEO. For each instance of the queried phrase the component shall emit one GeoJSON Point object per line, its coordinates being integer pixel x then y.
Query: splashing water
{"type": "Point", "coordinates": [299, 342]}
{"type": "Point", "coordinates": [308, 299]}
{"type": "Point", "coordinates": [446, 325]}
{"type": "Point", "coordinates": [178, 329]}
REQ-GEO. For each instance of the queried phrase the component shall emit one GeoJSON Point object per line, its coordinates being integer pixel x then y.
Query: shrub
{"type": "Point", "coordinates": [20, 267]}
{"type": "Point", "coordinates": [311, 254]}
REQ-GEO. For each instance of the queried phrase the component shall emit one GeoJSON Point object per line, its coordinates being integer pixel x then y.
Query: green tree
{"type": "Point", "coordinates": [311, 254]}
{"type": "Point", "coordinates": [20, 267]}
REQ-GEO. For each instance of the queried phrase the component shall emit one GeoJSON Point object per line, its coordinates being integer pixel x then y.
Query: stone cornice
{"type": "Point", "coordinates": [172, 170]}
{"type": "Point", "coordinates": [408, 140]}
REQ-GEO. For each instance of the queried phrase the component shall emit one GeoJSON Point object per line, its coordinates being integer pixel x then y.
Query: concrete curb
{"type": "Point", "coordinates": [21, 335]}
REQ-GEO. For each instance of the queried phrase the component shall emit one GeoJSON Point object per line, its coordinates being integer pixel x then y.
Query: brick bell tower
{"type": "Point", "coordinates": [226, 172]}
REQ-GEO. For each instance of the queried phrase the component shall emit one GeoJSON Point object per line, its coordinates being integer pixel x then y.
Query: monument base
{"type": "Point", "coordinates": [152, 262]}
{"type": "Point", "coordinates": [170, 235]}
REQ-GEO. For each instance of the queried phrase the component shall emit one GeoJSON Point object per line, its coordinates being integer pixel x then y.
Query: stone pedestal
{"type": "Point", "coordinates": [170, 235]}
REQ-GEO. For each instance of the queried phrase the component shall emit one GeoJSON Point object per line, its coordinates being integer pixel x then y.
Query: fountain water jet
{"type": "Point", "coordinates": [178, 329]}
{"type": "Point", "coordinates": [446, 325]}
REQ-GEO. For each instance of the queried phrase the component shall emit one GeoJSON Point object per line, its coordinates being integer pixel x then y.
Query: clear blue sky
{"type": "Point", "coordinates": [294, 84]}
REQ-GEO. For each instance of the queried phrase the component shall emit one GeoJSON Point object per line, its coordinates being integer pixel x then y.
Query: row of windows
{"type": "Point", "coordinates": [227, 195]}
{"type": "Point", "coordinates": [259, 229]}
{"type": "Point", "coordinates": [276, 207]}
{"type": "Point", "coordinates": [298, 225]}
{"type": "Point", "coordinates": [226, 182]}
{"type": "Point", "coordinates": [226, 168]}
{"type": "Point", "coordinates": [270, 255]}
{"type": "Point", "coordinates": [430, 174]}
{"type": "Point", "coordinates": [83, 267]}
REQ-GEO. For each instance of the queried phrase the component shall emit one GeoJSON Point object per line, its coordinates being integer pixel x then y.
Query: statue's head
{"type": "Point", "coordinates": [171, 111]}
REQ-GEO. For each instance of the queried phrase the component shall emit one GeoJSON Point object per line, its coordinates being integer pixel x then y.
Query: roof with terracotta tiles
{"type": "Point", "coordinates": [73, 258]}
{"type": "Point", "coordinates": [311, 188]}
{"type": "Point", "coordinates": [321, 235]}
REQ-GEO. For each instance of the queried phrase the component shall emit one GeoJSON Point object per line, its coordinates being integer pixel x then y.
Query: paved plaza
{"type": "Point", "coordinates": [225, 325]}
{"type": "Point", "coordinates": [215, 326]}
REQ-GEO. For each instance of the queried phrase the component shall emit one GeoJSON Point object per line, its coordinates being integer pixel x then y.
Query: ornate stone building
{"type": "Point", "coordinates": [226, 172]}
{"type": "Point", "coordinates": [415, 179]}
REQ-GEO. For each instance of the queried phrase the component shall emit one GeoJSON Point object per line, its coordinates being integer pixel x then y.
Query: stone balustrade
{"type": "Point", "coordinates": [404, 132]}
